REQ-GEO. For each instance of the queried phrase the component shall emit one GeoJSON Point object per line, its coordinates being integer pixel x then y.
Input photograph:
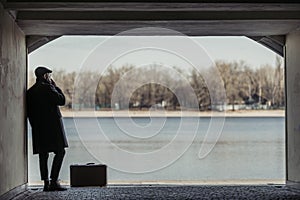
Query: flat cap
{"type": "Point", "coordinates": [40, 71]}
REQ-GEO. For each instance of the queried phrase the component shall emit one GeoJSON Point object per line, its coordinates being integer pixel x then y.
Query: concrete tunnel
{"type": "Point", "coordinates": [26, 25]}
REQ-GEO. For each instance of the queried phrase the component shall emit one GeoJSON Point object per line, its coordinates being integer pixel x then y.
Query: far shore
{"type": "Point", "coordinates": [238, 113]}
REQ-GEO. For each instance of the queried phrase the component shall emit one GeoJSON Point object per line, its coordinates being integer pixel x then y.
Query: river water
{"type": "Point", "coordinates": [249, 150]}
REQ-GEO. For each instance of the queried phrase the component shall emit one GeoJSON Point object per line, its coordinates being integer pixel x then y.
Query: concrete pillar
{"type": "Point", "coordinates": [292, 59]}
{"type": "Point", "coordinates": [13, 147]}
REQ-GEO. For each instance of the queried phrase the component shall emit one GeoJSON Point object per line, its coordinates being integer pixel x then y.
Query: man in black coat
{"type": "Point", "coordinates": [48, 135]}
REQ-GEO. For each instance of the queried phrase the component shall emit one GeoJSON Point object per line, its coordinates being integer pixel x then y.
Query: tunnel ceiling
{"type": "Point", "coordinates": [259, 20]}
{"type": "Point", "coordinates": [194, 18]}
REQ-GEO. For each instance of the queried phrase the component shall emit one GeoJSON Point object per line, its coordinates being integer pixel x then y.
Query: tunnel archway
{"type": "Point", "coordinates": [275, 24]}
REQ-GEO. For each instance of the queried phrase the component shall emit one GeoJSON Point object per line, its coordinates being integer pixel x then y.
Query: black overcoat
{"type": "Point", "coordinates": [48, 133]}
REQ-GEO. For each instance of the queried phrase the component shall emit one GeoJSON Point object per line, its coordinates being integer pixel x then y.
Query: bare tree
{"type": "Point", "coordinates": [241, 83]}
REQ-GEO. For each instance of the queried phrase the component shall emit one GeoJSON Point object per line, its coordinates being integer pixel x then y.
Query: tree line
{"type": "Point", "coordinates": [244, 85]}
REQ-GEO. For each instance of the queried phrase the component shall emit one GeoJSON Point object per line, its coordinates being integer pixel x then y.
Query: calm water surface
{"type": "Point", "coordinates": [249, 148]}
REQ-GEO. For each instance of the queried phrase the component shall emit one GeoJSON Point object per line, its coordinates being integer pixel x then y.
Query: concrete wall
{"type": "Point", "coordinates": [13, 58]}
{"type": "Point", "coordinates": [293, 106]}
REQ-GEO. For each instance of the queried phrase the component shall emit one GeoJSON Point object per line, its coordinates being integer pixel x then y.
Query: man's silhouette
{"type": "Point", "coordinates": [48, 135]}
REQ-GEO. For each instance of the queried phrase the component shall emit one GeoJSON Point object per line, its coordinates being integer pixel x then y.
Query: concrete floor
{"type": "Point", "coordinates": [164, 192]}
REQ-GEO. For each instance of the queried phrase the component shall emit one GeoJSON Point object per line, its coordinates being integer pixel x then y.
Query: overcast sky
{"type": "Point", "coordinates": [69, 52]}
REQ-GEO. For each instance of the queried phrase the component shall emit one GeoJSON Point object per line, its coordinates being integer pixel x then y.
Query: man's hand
{"type": "Point", "coordinates": [53, 82]}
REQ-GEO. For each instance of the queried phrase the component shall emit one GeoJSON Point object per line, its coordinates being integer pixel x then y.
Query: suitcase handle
{"type": "Point", "coordinates": [90, 163]}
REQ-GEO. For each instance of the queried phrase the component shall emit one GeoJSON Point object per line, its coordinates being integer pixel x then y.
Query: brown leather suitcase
{"type": "Point", "coordinates": [89, 174]}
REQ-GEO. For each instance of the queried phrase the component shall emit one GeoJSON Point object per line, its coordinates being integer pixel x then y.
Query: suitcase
{"type": "Point", "coordinates": [89, 174]}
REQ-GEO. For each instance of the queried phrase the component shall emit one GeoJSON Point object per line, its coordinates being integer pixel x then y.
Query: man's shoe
{"type": "Point", "coordinates": [55, 186]}
{"type": "Point", "coordinates": [46, 185]}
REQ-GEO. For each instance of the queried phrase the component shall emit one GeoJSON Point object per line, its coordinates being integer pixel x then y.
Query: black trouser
{"type": "Point", "coordinates": [56, 164]}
